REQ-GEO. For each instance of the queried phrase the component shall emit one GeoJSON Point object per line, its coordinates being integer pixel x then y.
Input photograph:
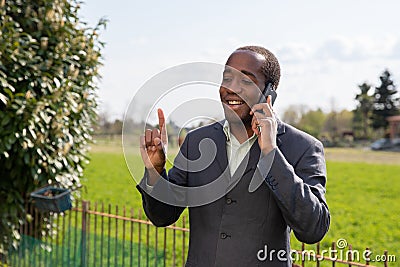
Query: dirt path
{"type": "Point", "coordinates": [362, 155]}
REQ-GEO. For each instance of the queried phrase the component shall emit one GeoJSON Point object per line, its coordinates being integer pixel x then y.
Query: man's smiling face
{"type": "Point", "coordinates": [241, 84]}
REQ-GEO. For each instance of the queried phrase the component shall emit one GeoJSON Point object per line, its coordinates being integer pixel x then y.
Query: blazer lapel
{"type": "Point", "coordinates": [220, 140]}
{"type": "Point", "coordinates": [249, 162]}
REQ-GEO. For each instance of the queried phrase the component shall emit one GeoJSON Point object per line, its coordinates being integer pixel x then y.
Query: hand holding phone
{"type": "Point", "coordinates": [268, 91]}
{"type": "Point", "coordinates": [266, 141]}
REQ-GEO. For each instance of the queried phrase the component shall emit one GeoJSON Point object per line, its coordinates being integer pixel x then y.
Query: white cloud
{"type": "Point", "coordinates": [341, 48]}
{"type": "Point", "coordinates": [356, 48]}
{"type": "Point", "coordinates": [336, 48]}
{"type": "Point", "coordinates": [313, 74]}
{"type": "Point", "coordinates": [293, 52]}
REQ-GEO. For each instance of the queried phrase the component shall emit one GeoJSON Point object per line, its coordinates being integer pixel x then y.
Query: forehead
{"type": "Point", "coordinates": [244, 60]}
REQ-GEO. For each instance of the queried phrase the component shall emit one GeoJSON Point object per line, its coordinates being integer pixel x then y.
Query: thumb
{"type": "Point", "coordinates": [159, 144]}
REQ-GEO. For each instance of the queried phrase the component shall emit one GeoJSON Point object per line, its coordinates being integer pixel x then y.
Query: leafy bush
{"type": "Point", "coordinates": [49, 62]}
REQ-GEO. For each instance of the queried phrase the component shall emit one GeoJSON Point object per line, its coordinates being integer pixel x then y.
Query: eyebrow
{"type": "Point", "coordinates": [245, 72]}
{"type": "Point", "coordinates": [248, 73]}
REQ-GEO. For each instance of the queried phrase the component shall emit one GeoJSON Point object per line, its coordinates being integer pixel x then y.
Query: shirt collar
{"type": "Point", "coordinates": [228, 134]}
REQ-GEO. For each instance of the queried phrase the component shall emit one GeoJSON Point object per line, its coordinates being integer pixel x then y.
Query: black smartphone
{"type": "Point", "coordinates": [268, 90]}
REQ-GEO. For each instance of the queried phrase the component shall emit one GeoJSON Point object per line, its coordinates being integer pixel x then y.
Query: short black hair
{"type": "Point", "coordinates": [271, 67]}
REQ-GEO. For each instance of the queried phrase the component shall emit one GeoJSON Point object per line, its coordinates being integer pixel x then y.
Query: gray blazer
{"type": "Point", "coordinates": [238, 228]}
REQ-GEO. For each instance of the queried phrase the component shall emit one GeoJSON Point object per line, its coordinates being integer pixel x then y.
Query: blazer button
{"type": "Point", "coordinates": [228, 201]}
{"type": "Point", "coordinates": [223, 235]}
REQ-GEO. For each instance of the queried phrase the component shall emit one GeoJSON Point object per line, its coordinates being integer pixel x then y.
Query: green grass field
{"type": "Point", "coordinates": [363, 193]}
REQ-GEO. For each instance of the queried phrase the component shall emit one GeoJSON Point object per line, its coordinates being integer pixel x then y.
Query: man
{"type": "Point", "coordinates": [244, 227]}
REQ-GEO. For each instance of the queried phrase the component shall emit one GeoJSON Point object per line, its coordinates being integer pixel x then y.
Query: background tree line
{"type": "Point", "coordinates": [367, 121]}
{"type": "Point", "coordinates": [374, 104]}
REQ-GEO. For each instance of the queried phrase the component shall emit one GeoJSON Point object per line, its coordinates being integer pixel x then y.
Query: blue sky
{"type": "Point", "coordinates": [325, 49]}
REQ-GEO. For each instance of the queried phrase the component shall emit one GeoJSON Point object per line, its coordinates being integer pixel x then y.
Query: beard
{"type": "Point", "coordinates": [243, 117]}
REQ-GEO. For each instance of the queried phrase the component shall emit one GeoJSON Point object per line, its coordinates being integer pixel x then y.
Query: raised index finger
{"type": "Point", "coordinates": [163, 129]}
{"type": "Point", "coordinates": [161, 119]}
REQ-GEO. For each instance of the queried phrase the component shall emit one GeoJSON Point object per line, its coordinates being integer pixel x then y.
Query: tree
{"type": "Point", "coordinates": [344, 120]}
{"type": "Point", "coordinates": [363, 111]}
{"type": "Point", "coordinates": [386, 101]}
{"type": "Point", "coordinates": [49, 61]}
{"type": "Point", "coordinates": [336, 124]}
{"type": "Point", "coordinates": [293, 114]}
{"type": "Point", "coordinates": [312, 122]}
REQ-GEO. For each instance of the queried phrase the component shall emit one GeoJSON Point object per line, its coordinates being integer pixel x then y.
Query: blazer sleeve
{"type": "Point", "coordinates": [300, 192]}
{"type": "Point", "coordinates": [159, 212]}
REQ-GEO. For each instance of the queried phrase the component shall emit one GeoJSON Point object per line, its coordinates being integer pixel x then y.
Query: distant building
{"type": "Point", "coordinates": [394, 126]}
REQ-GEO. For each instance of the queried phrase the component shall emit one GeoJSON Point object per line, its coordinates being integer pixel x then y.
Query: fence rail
{"type": "Point", "coordinates": [99, 235]}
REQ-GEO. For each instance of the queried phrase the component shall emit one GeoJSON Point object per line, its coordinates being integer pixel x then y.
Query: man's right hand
{"type": "Point", "coordinates": [152, 149]}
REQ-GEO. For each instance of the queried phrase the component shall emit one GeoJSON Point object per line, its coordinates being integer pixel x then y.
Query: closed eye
{"type": "Point", "coordinates": [247, 82]}
{"type": "Point", "coordinates": [226, 79]}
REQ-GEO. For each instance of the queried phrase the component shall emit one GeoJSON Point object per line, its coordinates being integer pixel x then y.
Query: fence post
{"type": "Point", "coordinates": [350, 255]}
{"type": "Point", "coordinates": [386, 258]}
{"type": "Point", "coordinates": [83, 234]}
{"type": "Point", "coordinates": [369, 254]}
{"type": "Point", "coordinates": [333, 254]}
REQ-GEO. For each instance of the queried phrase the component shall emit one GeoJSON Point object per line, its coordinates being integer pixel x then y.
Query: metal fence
{"type": "Point", "coordinates": [99, 235]}
{"type": "Point", "coordinates": [335, 257]}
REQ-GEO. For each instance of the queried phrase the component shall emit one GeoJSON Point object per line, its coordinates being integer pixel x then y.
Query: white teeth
{"type": "Point", "coordinates": [235, 102]}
